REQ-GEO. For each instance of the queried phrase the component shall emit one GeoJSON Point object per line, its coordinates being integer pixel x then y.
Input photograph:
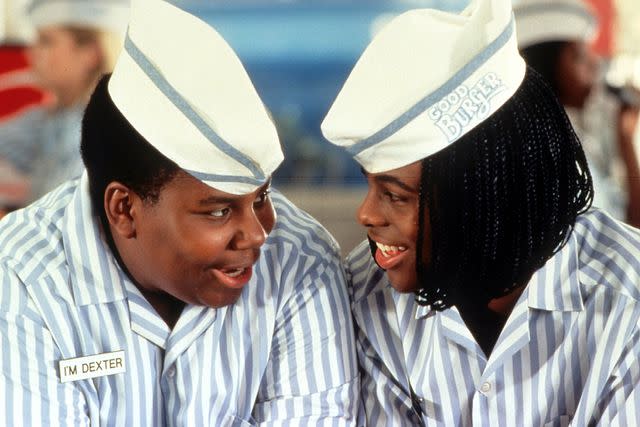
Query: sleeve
{"type": "Point", "coordinates": [312, 375]}
{"type": "Point", "coordinates": [30, 391]}
{"type": "Point", "coordinates": [384, 401]}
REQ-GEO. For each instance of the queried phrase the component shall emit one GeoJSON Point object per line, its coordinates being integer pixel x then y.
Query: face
{"type": "Point", "coordinates": [199, 244]}
{"type": "Point", "coordinates": [577, 74]}
{"type": "Point", "coordinates": [390, 214]}
{"type": "Point", "coordinates": [60, 63]}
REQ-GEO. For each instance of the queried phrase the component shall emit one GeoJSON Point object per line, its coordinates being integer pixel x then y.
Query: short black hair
{"type": "Point", "coordinates": [501, 200]}
{"type": "Point", "coordinates": [112, 150]}
{"type": "Point", "coordinates": [544, 58]}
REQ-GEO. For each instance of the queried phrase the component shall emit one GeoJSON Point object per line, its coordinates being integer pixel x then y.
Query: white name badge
{"type": "Point", "coordinates": [97, 365]}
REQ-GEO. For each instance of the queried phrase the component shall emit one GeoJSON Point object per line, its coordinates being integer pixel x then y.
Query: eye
{"type": "Point", "coordinates": [393, 197]}
{"type": "Point", "coordinates": [220, 213]}
{"type": "Point", "coordinates": [262, 197]}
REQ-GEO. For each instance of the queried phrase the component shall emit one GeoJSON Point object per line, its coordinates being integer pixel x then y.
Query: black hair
{"type": "Point", "coordinates": [112, 150]}
{"type": "Point", "coordinates": [544, 58]}
{"type": "Point", "coordinates": [501, 200]}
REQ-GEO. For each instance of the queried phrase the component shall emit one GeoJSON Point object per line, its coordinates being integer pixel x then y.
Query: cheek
{"type": "Point", "coordinates": [202, 244]}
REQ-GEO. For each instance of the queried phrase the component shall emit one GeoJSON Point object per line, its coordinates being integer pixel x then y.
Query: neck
{"type": "Point", "coordinates": [505, 304]}
{"type": "Point", "coordinates": [485, 321]}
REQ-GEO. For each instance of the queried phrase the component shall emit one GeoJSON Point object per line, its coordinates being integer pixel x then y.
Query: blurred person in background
{"type": "Point", "coordinates": [488, 292]}
{"type": "Point", "coordinates": [554, 38]}
{"type": "Point", "coordinates": [18, 91]}
{"type": "Point", "coordinates": [76, 43]}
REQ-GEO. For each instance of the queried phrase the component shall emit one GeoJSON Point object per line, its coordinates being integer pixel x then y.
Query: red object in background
{"type": "Point", "coordinates": [18, 92]}
{"type": "Point", "coordinates": [605, 11]}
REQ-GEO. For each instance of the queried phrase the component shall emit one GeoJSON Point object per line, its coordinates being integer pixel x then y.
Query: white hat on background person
{"type": "Point", "coordinates": [110, 15]}
{"type": "Point", "coordinates": [540, 21]}
{"type": "Point", "coordinates": [426, 79]}
{"type": "Point", "coordinates": [186, 92]}
{"type": "Point", "coordinates": [14, 24]}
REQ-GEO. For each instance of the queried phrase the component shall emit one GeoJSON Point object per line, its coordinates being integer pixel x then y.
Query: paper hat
{"type": "Point", "coordinates": [109, 15]}
{"type": "Point", "coordinates": [14, 23]}
{"type": "Point", "coordinates": [186, 92]}
{"type": "Point", "coordinates": [426, 79]}
{"type": "Point", "coordinates": [540, 21]}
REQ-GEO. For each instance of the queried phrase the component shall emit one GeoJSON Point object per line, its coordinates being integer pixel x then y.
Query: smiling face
{"type": "Point", "coordinates": [196, 243]}
{"type": "Point", "coordinates": [390, 214]}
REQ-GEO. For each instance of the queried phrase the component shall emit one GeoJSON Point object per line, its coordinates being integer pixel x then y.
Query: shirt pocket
{"type": "Point", "coordinates": [561, 421]}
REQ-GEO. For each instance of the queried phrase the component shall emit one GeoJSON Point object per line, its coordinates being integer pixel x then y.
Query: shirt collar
{"type": "Point", "coordinates": [557, 285]}
{"type": "Point", "coordinates": [94, 273]}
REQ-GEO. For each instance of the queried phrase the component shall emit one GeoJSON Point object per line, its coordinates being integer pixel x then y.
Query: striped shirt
{"type": "Point", "coordinates": [568, 354]}
{"type": "Point", "coordinates": [282, 355]}
{"type": "Point", "coordinates": [43, 146]}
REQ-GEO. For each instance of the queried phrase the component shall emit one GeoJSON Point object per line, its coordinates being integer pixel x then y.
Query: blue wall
{"type": "Point", "coordinates": [298, 54]}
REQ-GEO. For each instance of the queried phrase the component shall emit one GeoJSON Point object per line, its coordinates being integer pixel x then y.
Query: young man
{"type": "Point", "coordinates": [554, 39]}
{"type": "Point", "coordinates": [493, 296]}
{"type": "Point", "coordinates": [161, 288]}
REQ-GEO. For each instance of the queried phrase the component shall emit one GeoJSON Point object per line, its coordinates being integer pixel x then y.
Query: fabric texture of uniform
{"type": "Point", "coordinates": [568, 354]}
{"type": "Point", "coordinates": [283, 354]}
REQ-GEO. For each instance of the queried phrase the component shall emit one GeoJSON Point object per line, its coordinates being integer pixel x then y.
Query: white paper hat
{"type": "Point", "coordinates": [109, 15]}
{"type": "Point", "coordinates": [186, 92]}
{"type": "Point", "coordinates": [540, 21]}
{"type": "Point", "coordinates": [426, 79]}
{"type": "Point", "coordinates": [14, 23]}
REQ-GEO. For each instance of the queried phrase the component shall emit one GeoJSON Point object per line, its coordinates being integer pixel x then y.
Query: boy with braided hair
{"type": "Point", "coordinates": [494, 295]}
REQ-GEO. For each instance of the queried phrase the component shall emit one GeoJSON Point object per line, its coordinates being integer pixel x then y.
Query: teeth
{"type": "Point", "coordinates": [388, 250]}
{"type": "Point", "coordinates": [234, 273]}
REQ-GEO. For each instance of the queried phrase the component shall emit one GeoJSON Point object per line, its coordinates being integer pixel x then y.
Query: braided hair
{"type": "Point", "coordinates": [501, 200]}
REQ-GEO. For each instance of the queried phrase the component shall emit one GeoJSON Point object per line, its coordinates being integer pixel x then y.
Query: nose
{"type": "Point", "coordinates": [250, 234]}
{"type": "Point", "coordinates": [369, 213]}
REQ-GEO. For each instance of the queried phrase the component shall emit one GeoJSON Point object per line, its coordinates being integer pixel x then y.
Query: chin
{"type": "Point", "coordinates": [401, 283]}
{"type": "Point", "coordinates": [221, 300]}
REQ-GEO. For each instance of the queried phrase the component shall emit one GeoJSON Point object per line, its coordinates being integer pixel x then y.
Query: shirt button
{"type": "Point", "coordinates": [485, 387]}
{"type": "Point", "coordinates": [171, 372]}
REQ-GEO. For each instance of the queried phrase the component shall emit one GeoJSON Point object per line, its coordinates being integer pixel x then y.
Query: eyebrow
{"type": "Point", "coordinates": [220, 200]}
{"type": "Point", "coordinates": [389, 179]}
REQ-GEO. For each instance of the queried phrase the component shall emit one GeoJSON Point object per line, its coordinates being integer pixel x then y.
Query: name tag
{"type": "Point", "coordinates": [97, 365]}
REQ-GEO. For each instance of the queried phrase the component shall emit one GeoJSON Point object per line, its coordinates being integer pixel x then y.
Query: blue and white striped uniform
{"type": "Point", "coordinates": [282, 355]}
{"type": "Point", "coordinates": [568, 354]}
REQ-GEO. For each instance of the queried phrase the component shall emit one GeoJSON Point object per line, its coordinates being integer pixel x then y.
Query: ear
{"type": "Point", "coordinates": [119, 202]}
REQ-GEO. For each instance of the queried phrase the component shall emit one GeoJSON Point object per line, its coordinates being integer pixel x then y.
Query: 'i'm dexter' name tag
{"type": "Point", "coordinates": [97, 365]}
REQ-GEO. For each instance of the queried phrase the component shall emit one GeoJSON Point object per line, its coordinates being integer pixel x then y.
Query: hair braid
{"type": "Point", "coordinates": [501, 200]}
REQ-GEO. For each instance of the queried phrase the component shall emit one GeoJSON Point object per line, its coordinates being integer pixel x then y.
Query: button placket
{"type": "Point", "coordinates": [485, 388]}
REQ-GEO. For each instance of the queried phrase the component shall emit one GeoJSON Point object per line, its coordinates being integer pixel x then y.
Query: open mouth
{"type": "Point", "coordinates": [236, 272]}
{"type": "Point", "coordinates": [234, 277]}
{"type": "Point", "coordinates": [389, 256]}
